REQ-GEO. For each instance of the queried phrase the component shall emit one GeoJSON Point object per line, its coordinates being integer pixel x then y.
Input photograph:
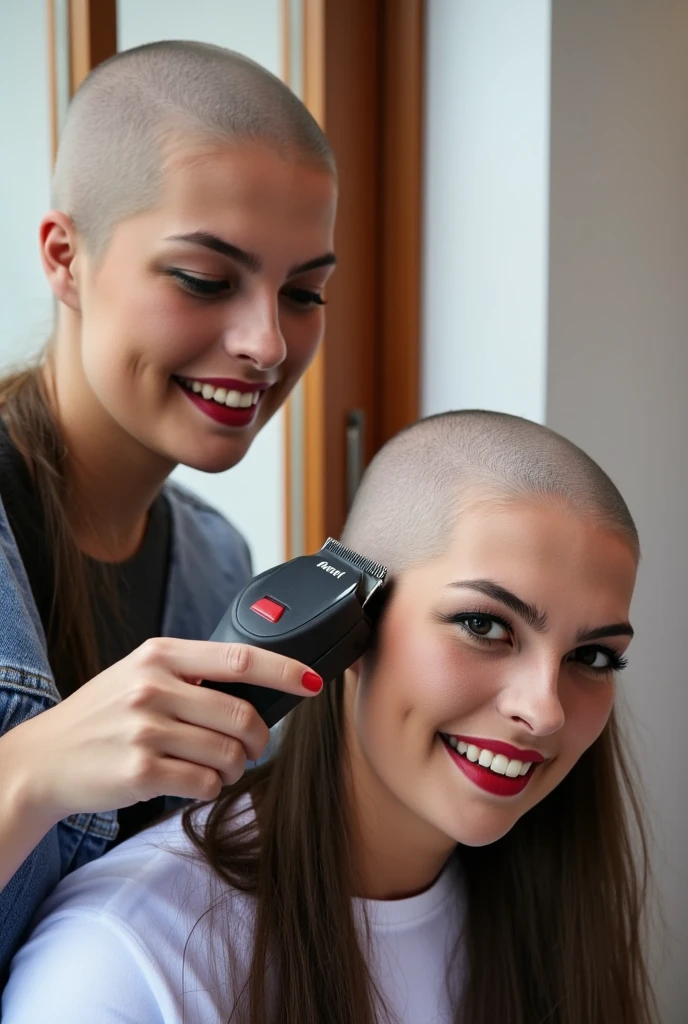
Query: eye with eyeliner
{"type": "Point", "coordinates": [615, 662]}
{"type": "Point", "coordinates": [469, 621]}
{"type": "Point", "coordinates": [475, 616]}
{"type": "Point", "coordinates": [304, 297]}
{"type": "Point", "coordinates": [208, 287]}
{"type": "Point", "coordinates": [205, 287]}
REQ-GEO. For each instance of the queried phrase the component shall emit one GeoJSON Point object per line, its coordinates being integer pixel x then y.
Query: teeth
{"type": "Point", "coordinates": [498, 763]}
{"type": "Point", "coordinates": [232, 399]}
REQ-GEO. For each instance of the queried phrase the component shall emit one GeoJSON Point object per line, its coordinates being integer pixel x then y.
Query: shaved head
{"type": "Point", "coordinates": [421, 481]}
{"type": "Point", "coordinates": [136, 112]}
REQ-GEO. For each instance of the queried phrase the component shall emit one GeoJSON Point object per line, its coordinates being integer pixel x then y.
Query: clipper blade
{"type": "Point", "coordinates": [374, 569]}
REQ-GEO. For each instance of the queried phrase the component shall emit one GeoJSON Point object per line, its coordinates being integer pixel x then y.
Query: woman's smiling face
{"type": "Point", "coordinates": [203, 312]}
{"type": "Point", "coordinates": [507, 643]}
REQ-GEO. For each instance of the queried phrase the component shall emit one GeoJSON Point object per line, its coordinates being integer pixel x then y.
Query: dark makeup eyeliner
{"type": "Point", "coordinates": [199, 285]}
{"type": "Point", "coordinates": [616, 663]}
{"type": "Point", "coordinates": [208, 288]}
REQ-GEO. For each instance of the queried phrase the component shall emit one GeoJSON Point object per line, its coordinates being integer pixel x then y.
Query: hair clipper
{"type": "Point", "coordinates": [319, 609]}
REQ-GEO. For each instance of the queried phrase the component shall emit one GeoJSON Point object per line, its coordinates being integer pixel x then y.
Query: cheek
{"type": "Point", "coordinates": [419, 686]}
{"type": "Point", "coordinates": [587, 709]}
{"type": "Point", "coordinates": [302, 335]}
{"type": "Point", "coordinates": [148, 327]}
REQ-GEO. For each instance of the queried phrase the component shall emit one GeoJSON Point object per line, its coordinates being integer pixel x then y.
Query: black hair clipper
{"type": "Point", "coordinates": [319, 609]}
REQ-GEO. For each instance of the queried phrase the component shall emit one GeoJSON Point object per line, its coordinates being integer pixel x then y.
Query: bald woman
{"type": "Point", "coordinates": [450, 832]}
{"type": "Point", "coordinates": [188, 247]}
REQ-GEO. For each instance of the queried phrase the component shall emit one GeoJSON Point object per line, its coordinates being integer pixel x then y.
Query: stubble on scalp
{"type": "Point", "coordinates": [143, 107]}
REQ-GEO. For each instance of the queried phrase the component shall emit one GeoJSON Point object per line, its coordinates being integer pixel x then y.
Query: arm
{"type": "Point", "coordinates": [138, 730]}
{"type": "Point", "coordinates": [23, 823]}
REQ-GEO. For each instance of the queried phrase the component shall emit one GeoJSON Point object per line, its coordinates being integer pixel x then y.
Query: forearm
{"type": "Point", "coordinates": [24, 820]}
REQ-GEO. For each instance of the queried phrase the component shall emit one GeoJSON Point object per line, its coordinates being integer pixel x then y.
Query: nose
{"type": "Point", "coordinates": [255, 336]}
{"type": "Point", "coordinates": [532, 697]}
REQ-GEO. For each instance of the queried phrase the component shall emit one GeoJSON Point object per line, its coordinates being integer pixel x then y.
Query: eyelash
{"type": "Point", "coordinates": [198, 285]}
{"type": "Point", "coordinates": [303, 297]}
{"type": "Point", "coordinates": [462, 618]}
{"type": "Point", "coordinates": [617, 663]}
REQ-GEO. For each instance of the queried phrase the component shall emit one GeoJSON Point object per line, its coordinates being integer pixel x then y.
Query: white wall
{"type": "Point", "coordinates": [618, 356]}
{"type": "Point", "coordinates": [25, 298]}
{"type": "Point", "coordinates": [485, 235]}
{"type": "Point", "coordinates": [607, 253]}
{"type": "Point", "coordinates": [252, 494]}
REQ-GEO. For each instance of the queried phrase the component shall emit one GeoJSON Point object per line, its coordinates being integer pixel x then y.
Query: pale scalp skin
{"type": "Point", "coordinates": [420, 481]}
{"type": "Point", "coordinates": [134, 112]}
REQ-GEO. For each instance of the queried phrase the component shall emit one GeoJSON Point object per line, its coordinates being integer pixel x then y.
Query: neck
{"type": "Point", "coordinates": [112, 479]}
{"type": "Point", "coordinates": [397, 855]}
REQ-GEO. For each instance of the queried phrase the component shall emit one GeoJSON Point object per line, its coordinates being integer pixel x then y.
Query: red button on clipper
{"type": "Point", "coordinates": [268, 609]}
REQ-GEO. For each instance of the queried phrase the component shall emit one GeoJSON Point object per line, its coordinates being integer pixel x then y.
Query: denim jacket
{"type": "Point", "coordinates": [209, 563]}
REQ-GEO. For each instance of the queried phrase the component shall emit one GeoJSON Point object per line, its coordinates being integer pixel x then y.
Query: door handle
{"type": "Point", "coordinates": [355, 458]}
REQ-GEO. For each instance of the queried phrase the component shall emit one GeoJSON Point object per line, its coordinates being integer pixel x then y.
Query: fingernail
{"type": "Point", "coordinates": [312, 681]}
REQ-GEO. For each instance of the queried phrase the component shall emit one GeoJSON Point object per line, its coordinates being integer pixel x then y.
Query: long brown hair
{"type": "Point", "coordinates": [554, 927]}
{"type": "Point", "coordinates": [70, 630]}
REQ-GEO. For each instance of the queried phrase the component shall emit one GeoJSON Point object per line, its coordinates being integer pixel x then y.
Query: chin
{"type": "Point", "coordinates": [215, 456]}
{"type": "Point", "coordinates": [484, 831]}
{"type": "Point", "coordinates": [206, 463]}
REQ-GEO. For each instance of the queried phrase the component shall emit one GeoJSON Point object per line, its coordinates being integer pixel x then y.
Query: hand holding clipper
{"type": "Point", "coordinates": [318, 609]}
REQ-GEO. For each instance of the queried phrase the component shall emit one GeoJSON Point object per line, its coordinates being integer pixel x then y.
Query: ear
{"type": "Point", "coordinates": [59, 246]}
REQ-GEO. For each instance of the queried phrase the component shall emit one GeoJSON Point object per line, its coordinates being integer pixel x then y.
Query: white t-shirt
{"type": "Point", "coordinates": [128, 939]}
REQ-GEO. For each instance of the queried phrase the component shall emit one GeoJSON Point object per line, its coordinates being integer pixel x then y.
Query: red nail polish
{"type": "Point", "coordinates": [312, 681]}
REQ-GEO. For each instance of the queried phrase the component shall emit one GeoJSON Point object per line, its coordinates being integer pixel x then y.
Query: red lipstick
{"type": "Point", "coordinates": [228, 416]}
{"type": "Point", "coordinates": [485, 778]}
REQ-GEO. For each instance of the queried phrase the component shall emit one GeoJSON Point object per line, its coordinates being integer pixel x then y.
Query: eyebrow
{"type": "Point", "coordinates": [249, 260]}
{"type": "Point", "coordinates": [537, 619]}
{"type": "Point", "coordinates": [617, 629]}
{"type": "Point", "coordinates": [531, 615]}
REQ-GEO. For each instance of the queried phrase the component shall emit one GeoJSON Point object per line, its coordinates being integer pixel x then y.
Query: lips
{"type": "Point", "coordinates": [478, 760]}
{"type": "Point", "coordinates": [233, 403]}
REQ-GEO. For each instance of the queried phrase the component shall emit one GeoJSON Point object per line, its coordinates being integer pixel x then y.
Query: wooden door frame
{"type": "Point", "coordinates": [90, 35]}
{"type": "Point", "coordinates": [356, 52]}
{"type": "Point", "coordinates": [402, 221]}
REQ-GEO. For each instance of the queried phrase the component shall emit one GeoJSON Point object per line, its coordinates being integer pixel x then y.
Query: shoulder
{"type": "Point", "coordinates": [141, 920]}
{"type": "Point", "coordinates": [194, 515]}
{"type": "Point", "coordinates": [18, 507]}
{"type": "Point", "coordinates": [149, 882]}
{"type": "Point", "coordinates": [24, 669]}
